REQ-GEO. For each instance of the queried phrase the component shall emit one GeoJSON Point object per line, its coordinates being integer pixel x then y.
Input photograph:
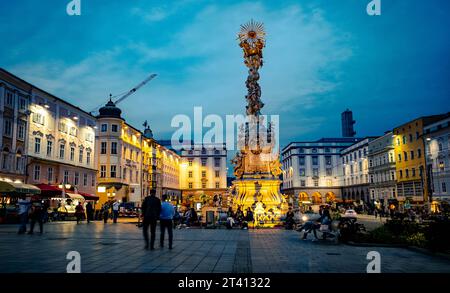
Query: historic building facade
{"type": "Point", "coordinates": [61, 144]}
{"type": "Point", "coordinates": [382, 177]}
{"type": "Point", "coordinates": [203, 172]}
{"type": "Point", "coordinates": [15, 97]}
{"type": "Point", "coordinates": [311, 170]}
{"type": "Point", "coordinates": [355, 170]}
{"type": "Point", "coordinates": [437, 145]}
{"type": "Point", "coordinates": [412, 181]}
{"type": "Point", "coordinates": [119, 156]}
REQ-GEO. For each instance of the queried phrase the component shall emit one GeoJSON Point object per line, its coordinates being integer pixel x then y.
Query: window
{"type": "Point", "coordinates": [328, 160]}
{"type": "Point", "coordinates": [203, 174]}
{"type": "Point", "coordinates": [62, 127]}
{"type": "Point", "coordinates": [410, 138]}
{"type": "Point", "coordinates": [104, 127]}
{"type": "Point", "coordinates": [327, 150]}
{"type": "Point", "coordinates": [85, 179]}
{"type": "Point", "coordinates": [9, 100]}
{"type": "Point", "coordinates": [412, 155]}
{"type": "Point", "coordinates": [50, 174]}
{"type": "Point", "coordinates": [103, 148]}
{"type": "Point", "coordinates": [88, 158]}
{"type": "Point", "coordinates": [66, 176]}
{"type": "Point", "coordinates": [413, 171]}
{"type": "Point", "coordinates": [407, 173]}
{"type": "Point", "coordinates": [49, 148]}
{"type": "Point", "coordinates": [62, 150]}
{"type": "Point", "coordinates": [37, 145]}
{"type": "Point", "coordinates": [72, 153]}
{"type": "Point", "coordinates": [315, 160]}
{"type": "Point", "coordinates": [217, 174]}
{"type": "Point", "coordinates": [113, 148]}
{"type": "Point", "coordinates": [405, 156]}
{"type": "Point", "coordinates": [216, 162]}
{"type": "Point", "coordinates": [302, 172]}
{"type": "Point", "coordinates": [301, 161]}
{"type": "Point", "coordinates": [302, 183]}
{"type": "Point", "coordinates": [73, 131]}
{"type": "Point", "coordinates": [404, 139]}
{"type": "Point", "coordinates": [399, 157]}
{"type": "Point", "coordinates": [190, 162]}
{"type": "Point", "coordinates": [444, 187]}
{"type": "Point", "coordinates": [203, 185]}
{"type": "Point", "coordinates": [124, 174]}
{"type": "Point", "coordinates": [400, 174]}
{"type": "Point", "coordinates": [203, 151]}
{"type": "Point", "coordinates": [37, 173]}
{"type": "Point", "coordinates": [392, 175]}
{"type": "Point", "coordinates": [89, 137]}
{"type": "Point", "coordinates": [7, 128]}
{"type": "Point", "coordinates": [190, 185]}
{"type": "Point", "coordinates": [419, 153]}
{"type": "Point", "coordinates": [316, 182]}
{"type": "Point", "coordinates": [360, 166]}
{"type": "Point", "coordinates": [315, 172]}
{"type": "Point", "coordinates": [301, 150]}
{"type": "Point", "coordinates": [114, 127]}
{"type": "Point", "coordinates": [38, 118]}
{"type": "Point", "coordinates": [102, 171]}
{"type": "Point", "coordinates": [329, 172]}
{"type": "Point", "coordinates": [370, 163]}
{"type": "Point", "coordinates": [80, 156]}
{"type": "Point", "coordinates": [204, 162]}
{"type": "Point", "coordinates": [314, 150]}
{"type": "Point", "coordinates": [190, 174]}
{"type": "Point", "coordinates": [76, 178]}
{"type": "Point", "coordinates": [113, 171]}
{"type": "Point", "coordinates": [398, 141]}
{"type": "Point", "coordinates": [21, 130]}
{"type": "Point", "coordinates": [217, 185]}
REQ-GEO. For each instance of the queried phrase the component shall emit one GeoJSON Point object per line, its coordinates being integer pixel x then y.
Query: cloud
{"type": "Point", "coordinates": [200, 64]}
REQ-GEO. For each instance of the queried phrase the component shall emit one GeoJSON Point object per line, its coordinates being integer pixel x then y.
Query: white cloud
{"type": "Point", "coordinates": [209, 70]}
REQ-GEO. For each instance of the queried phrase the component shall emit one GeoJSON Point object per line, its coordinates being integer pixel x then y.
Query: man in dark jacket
{"type": "Point", "coordinates": [151, 209]}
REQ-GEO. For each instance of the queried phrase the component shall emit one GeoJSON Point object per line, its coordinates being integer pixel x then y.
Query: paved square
{"type": "Point", "coordinates": [119, 248]}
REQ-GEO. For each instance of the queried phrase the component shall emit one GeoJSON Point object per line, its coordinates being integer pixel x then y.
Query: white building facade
{"type": "Point", "coordinates": [355, 170]}
{"type": "Point", "coordinates": [437, 146]}
{"type": "Point", "coordinates": [311, 170]}
{"type": "Point", "coordinates": [382, 175]}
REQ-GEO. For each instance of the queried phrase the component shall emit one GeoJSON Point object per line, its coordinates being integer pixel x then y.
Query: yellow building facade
{"type": "Point", "coordinates": [410, 164]}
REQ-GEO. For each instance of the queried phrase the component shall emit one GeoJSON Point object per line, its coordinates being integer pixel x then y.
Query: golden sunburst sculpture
{"type": "Point", "coordinates": [252, 32]}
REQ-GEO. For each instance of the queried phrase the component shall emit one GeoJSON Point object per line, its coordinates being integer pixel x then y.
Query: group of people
{"type": "Point", "coordinates": [239, 219]}
{"type": "Point", "coordinates": [322, 223]}
{"type": "Point", "coordinates": [110, 207]}
{"type": "Point", "coordinates": [153, 210]}
{"type": "Point", "coordinates": [32, 210]}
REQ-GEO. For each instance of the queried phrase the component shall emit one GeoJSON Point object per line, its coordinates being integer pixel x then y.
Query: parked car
{"type": "Point", "coordinates": [350, 213]}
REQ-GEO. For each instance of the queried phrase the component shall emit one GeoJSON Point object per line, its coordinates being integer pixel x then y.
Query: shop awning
{"type": "Point", "coordinates": [75, 196]}
{"type": "Point", "coordinates": [18, 188]}
{"type": "Point", "coordinates": [88, 196]}
{"type": "Point", "coordinates": [49, 190]}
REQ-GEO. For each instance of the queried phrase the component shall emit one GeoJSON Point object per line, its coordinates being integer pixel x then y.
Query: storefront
{"type": "Point", "coordinates": [10, 192]}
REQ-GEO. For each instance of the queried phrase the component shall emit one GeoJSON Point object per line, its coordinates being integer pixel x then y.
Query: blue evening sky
{"type": "Point", "coordinates": [321, 57]}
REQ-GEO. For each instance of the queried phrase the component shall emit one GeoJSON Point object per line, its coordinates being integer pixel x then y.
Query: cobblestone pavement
{"type": "Point", "coordinates": [119, 248]}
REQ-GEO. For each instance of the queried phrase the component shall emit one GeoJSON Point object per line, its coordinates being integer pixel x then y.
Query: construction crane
{"type": "Point", "coordinates": [127, 94]}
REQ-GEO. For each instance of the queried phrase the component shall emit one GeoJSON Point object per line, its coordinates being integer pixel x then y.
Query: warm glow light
{"type": "Point", "coordinates": [75, 118]}
{"type": "Point", "coordinates": [428, 139]}
{"type": "Point", "coordinates": [46, 106]}
{"type": "Point", "coordinates": [101, 189]}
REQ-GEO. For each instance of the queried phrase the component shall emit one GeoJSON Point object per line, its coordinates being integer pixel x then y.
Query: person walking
{"type": "Point", "coordinates": [165, 220]}
{"type": "Point", "coordinates": [105, 212]}
{"type": "Point", "coordinates": [89, 212]}
{"type": "Point", "coordinates": [151, 209]}
{"type": "Point", "coordinates": [115, 207]}
{"type": "Point", "coordinates": [36, 215]}
{"type": "Point", "coordinates": [24, 207]}
{"type": "Point", "coordinates": [79, 212]}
